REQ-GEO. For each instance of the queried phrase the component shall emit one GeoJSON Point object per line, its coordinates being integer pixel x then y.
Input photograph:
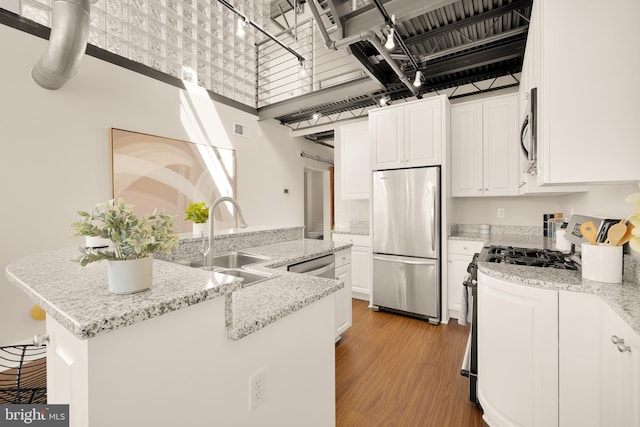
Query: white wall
{"type": "Point", "coordinates": [54, 154]}
{"type": "Point", "coordinates": [602, 200]}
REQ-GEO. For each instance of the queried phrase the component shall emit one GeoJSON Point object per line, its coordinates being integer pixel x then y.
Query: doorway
{"type": "Point", "coordinates": [317, 204]}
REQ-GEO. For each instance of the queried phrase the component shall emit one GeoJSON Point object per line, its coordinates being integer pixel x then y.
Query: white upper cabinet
{"type": "Point", "coordinates": [423, 133]}
{"type": "Point", "coordinates": [353, 171]}
{"type": "Point", "coordinates": [588, 90]}
{"type": "Point", "coordinates": [484, 147]}
{"type": "Point", "coordinates": [408, 135]}
{"type": "Point", "coordinates": [387, 137]}
{"type": "Point", "coordinates": [466, 149]}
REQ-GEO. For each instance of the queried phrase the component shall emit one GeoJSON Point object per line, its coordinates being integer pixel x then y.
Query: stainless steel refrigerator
{"type": "Point", "coordinates": [406, 241]}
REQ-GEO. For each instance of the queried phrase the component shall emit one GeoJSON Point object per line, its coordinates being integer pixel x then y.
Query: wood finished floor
{"type": "Point", "coordinates": [393, 370]}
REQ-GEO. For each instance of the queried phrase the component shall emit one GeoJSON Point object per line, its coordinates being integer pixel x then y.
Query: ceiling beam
{"type": "Point", "coordinates": [466, 61]}
{"type": "Point", "coordinates": [320, 97]}
{"type": "Point", "coordinates": [372, 71]}
{"type": "Point", "coordinates": [368, 17]}
{"type": "Point", "coordinates": [463, 23]}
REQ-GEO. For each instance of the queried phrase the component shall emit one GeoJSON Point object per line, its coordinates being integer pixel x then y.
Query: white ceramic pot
{"type": "Point", "coordinates": [130, 276]}
{"type": "Point", "coordinates": [201, 229]}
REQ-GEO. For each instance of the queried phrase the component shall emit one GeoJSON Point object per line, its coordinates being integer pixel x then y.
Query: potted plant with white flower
{"type": "Point", "coordinates": [198, 213]}
{"type": "Point", "coordinates": [133, 241]}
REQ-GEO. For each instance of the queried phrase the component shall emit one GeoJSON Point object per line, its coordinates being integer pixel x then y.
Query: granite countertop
{"type": "Point", "coordinates": [353, 232]}
{"type": "Point", "coordinates": [79, 299]}
{"type": "Point", "coordinates": [623, 298]}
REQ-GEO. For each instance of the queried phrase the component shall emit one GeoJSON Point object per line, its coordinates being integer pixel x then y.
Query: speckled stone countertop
{"type": "Point", "coordinates": [79, 299]}
{"type": "Point", "coordinates": [354, 232]}
{"type": "Point", "coordinates": [623, 298]}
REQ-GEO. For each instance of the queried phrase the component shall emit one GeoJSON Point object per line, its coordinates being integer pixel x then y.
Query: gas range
{"type": "Point", "coordinates": [529, 257]}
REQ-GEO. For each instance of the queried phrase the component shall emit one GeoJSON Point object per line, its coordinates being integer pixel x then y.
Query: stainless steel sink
{"type": "Point", "coordinates": [236, 260]}
{"type": "Point", "coordinates": [222, 276]}
{"type": "Point", "coordinates": [230, 260]}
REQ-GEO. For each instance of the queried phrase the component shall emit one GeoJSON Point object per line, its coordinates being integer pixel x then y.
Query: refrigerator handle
{"type": "Point", "coordinates": [433, 220]}
{"type": "Point", "coordinates": [402, 261]}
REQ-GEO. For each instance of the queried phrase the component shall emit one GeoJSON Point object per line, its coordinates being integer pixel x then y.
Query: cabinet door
{"type": "Point", "coordinates": [343, 300]}
{"type": "Point", "coordinates": [361, 272]}
{"type": "Point", "coordinates": [580, 127]}
{"type": "Point", "coordinates": [466, 150]}
{"type": "Point", "coordinates": [457, 270]}
{"type": "Point", "coordinates": [517, 353]}
{"type": "Point", "coordinates": [354, 165]}
{"type": "Point", "coordinates": [580, 362]}
{"type": "Point", "coordinates": [386, 128]}
{"type": "Point", "coordinates": [423, 133]}
{"type": "Point", "coordinates": [620, 373]}
{"type": "Point", "coordinates": [500, 146]}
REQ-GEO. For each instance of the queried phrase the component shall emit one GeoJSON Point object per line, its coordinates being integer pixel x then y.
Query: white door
{"type": "Point", "coordinates": [500, 146]}
{"type": "Point", "coordinates": [387, 136]}
{"type": "Point", "coordinates": [517, 353]}
{"type": "Point", "coordinates": [466, 150]}
{"type": "Point", "coordinates": [423, 133]}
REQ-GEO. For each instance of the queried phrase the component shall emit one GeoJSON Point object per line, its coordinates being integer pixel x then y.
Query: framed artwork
{"type": "Point", "coordinates": [154, 172]}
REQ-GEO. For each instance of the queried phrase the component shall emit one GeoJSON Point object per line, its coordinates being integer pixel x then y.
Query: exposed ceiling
{"type": "Point", "coordinates": [453, 43]}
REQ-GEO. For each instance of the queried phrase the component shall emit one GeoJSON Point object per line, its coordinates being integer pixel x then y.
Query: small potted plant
{"type": "Point", "coordinates": [133, 241]}
{"type": "Point", "coordinates": [198, 213]}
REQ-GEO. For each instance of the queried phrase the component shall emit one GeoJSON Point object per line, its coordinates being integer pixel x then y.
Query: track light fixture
{"type": "Point", "coordinates": [248, 22]}
{"type": "Point", "coordinates": [316, 116]}
{"type": "Point", "coordinates": [303, 71]}
{"type": "Point", "coordinates": [390, 44]}
{"type": "Point", "coordinates": [385, 100]}
{"type": "Point", "coordinates": [418, 80]}
{"type": "Point", "coordinates": [241, 26]}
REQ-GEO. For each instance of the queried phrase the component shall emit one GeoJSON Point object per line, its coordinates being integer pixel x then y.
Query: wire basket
{"type": "Point", "coordinates": [23, 374]}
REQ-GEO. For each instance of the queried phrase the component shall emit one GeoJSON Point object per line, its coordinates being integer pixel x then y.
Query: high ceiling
{"type": "Point", "coordinates": [477, 43]}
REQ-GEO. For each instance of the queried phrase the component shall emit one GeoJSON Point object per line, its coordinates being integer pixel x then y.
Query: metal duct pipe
{"type": "Point", "coordinates": [67, 44]}
{"type": "Point", "coordinates": [367, 35]}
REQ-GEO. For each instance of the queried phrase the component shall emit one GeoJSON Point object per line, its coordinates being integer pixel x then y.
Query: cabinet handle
{"type": "Point", "coordinates": [40, 340]}
{"type": "Point", "coordinates": [619, 342]}
{"type": "Point", "coordinates": [486, 189]}
{"type": "Point", "coordinates": [479, 189]}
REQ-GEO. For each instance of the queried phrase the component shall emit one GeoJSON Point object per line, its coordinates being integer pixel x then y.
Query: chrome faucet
{"type": "Point", "coordinates": [209, 254]}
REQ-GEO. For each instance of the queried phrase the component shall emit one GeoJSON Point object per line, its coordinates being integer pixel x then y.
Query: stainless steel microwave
{"type": "Point", "coordinates": [528, 132]}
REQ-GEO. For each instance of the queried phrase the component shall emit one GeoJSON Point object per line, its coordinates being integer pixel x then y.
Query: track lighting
{"type": "Point", "coordinates": [418, 81]}
{"type": "Point", "coordinates": [316, 116]}
{"type": "Point", "coordinates": [390, 44]}
{"type": "Point", "coordinates": [385, 100]}
{"type": "Point", "coordinates": [241, 24]}
{"type": "Point", "coordinates": [303, 71]}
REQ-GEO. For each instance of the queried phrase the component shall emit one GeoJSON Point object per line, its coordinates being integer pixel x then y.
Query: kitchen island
{"type": "Point", "coordinates": [185, 352]}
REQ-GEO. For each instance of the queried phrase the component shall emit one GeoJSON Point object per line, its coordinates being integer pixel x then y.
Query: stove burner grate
{"type": "Point", "coordinates": [530, 257]}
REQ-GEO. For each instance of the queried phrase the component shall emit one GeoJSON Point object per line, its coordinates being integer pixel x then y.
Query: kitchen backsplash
{"type": "Point", "coordinates": [526, 230]}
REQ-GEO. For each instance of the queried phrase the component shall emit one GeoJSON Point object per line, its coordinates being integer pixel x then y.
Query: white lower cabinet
{"type": "Point", "coordinates": [599, 364]}
{"type": "Point", "coordinates": [548, 358]}
{"type": "Point", "coordinates": [360, 263]}
{"type": "Point", "coordinates": [517, 353]}
{"type": "Point", "coordinates": [343, 296]}
{"type": "Point", "coordinates": [460, 254]}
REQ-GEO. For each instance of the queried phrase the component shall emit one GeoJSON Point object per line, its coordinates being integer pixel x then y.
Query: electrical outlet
{"type": "Point", "coordinates": [500, 213]}
{"type": "Point", "coordinates": [257, 390]}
